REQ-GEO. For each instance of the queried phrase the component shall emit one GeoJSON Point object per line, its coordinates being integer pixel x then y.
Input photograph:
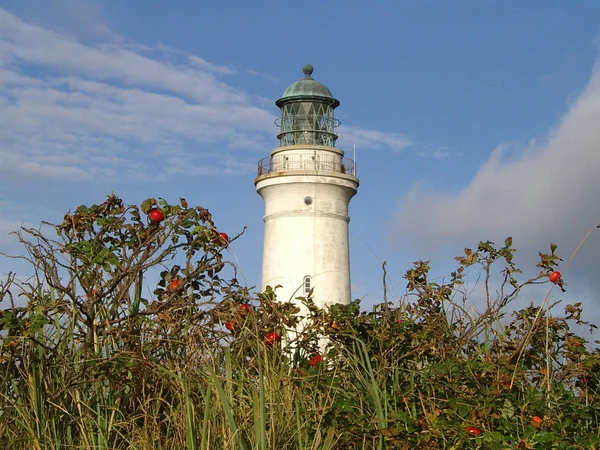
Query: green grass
{"type": "Point", "coordinates": [89, 362]}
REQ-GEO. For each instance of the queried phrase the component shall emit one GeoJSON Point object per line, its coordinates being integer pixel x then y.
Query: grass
{"type": "Point", "coordinates": [90, 363]}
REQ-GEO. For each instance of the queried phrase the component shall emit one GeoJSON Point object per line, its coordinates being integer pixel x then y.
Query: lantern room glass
{"type": "Point", "coordinates": [307, 122]}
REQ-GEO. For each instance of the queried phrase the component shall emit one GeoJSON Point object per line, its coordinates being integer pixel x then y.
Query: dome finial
{"type": "Point", "coordinates": [307, 69]}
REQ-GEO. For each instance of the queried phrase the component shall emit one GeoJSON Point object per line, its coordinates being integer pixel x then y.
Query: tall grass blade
{"type": "Point", "coordinates": [227, 409]}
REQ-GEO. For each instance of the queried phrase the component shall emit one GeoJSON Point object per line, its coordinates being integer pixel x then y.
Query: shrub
{"type": "Point", "coordinates": [122, 343]}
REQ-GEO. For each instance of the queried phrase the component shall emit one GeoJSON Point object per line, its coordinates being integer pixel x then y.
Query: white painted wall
{"type": "Point", "coordinates": [307, 239]}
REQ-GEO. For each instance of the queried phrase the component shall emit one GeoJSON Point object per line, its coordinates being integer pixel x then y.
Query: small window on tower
{"type": "Point", "coordinates": [307, 286]}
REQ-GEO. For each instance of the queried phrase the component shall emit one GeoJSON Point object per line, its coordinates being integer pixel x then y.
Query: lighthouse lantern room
{"type": "Point", "coordinates": [306, 184]}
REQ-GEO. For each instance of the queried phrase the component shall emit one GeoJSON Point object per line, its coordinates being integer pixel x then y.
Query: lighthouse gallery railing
{"type": "Point", "coordinates": [306, 161]}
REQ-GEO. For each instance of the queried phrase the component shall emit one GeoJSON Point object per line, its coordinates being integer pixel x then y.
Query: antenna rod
{"type": "Point", "coordinates": [355, 168]}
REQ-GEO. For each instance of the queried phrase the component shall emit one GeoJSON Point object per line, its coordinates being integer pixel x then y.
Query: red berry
{"type": "Point", "coordinates": [554, 276]}
{"type": "Point", "coordinates": [473, 430]}
{"type": "Point", "coordinates": [156, 215]}
{"type": "Point", "coordinates": [315, 359]}
{"type": "Point", "coordinates": [272, 338]}
{"type": "Point", "coordinates": [230, 325]}
{"type": "Point", "coordinates": [244, 308]}
{"type": "Point", "coordinates": [221, 239]}
{"type": "Point", "coordinates": [536, 421]}
{"type": "Point", "coordinates": [175, 284]}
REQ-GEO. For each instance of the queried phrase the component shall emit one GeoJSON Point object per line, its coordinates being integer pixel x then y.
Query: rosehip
{"type": "Point", "coordinates": [554, 276]}
{"type": "Point", "coordinates": [272, 338]}
{"type": "Point", "coordinates": [315, 360]}
{"type": "Point", "coordinates": [156, 215]}
{"type": "Point", "coordinates": [536, 421]}
{"type": "Point", "coordinates": [230, 325]}
{"type": "Point", "coordinates": [221, 239]}
{"type": "Point", "coordinates": [473, 430]}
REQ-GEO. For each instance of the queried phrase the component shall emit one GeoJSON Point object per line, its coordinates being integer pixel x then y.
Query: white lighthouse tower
{"type": "Point", "coordinates": [307, 185]}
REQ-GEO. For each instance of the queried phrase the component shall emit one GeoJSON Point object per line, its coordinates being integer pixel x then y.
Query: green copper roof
{"type": "Point", "coordinates": [307, 88]}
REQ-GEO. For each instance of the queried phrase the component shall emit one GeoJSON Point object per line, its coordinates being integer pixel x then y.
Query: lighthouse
{"type": "Point", "coordinates": [307, 184]}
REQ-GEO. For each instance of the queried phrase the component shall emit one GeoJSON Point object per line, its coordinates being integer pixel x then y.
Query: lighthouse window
{"type": "Point", "coordinates": [307, 284]}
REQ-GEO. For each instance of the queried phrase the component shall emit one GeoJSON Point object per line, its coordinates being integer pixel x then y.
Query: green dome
{"type": "Point", "coordinates": [308, 89]}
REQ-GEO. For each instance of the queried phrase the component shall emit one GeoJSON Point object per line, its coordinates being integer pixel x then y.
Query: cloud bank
{"type": "Point", "coordinates": [549, 192]}
{"type": "Point", "coordinates": [76, 111]}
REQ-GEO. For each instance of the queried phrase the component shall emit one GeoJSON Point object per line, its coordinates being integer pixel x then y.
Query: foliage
{"type": "Point", "coordinates": [97, 359]}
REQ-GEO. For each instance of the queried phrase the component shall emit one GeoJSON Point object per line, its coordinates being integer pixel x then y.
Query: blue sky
{"type": "Point", "coordinates": [472, 120]}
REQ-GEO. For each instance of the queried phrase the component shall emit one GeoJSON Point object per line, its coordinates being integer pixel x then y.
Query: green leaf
{"type": "Point", "coordinates": [508, 242]}
{"type": "Point", "coordinates": [553, 248]}
{"type": "Point", "coordinates": [508, 410]}
{"type": "Point", "coordinates": [148, 204]}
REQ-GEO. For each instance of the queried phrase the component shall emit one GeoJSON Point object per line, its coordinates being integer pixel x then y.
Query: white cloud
{"type": "Point", "coordinates": [76, 111]}
{"type": "Point", "coordinates": [201, 63]}
{"type": "Point", "coordinates": [23, 42]}
{"type": "Point", "coordinates": [374, 139]}
{"type": "Point", "coordinates": [82, 18]}
{"type": "Point", "coordinates": [550, 193]}
{"type": "Point", "coordinates": [266, 76]}
{"type": "Point", "coordinates": [79, 109]}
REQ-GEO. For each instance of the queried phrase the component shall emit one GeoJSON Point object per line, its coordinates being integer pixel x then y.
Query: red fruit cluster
{"type": "Point", "coordinates": [232, 325]}
{"type": "Point", "coordinates": [315, 360]}
{"type": "Point", "coordinates": [175, 282]}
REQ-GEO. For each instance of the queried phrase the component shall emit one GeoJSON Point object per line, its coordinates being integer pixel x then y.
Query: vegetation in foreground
{"type": "Point", "coordinates": [132, 337]}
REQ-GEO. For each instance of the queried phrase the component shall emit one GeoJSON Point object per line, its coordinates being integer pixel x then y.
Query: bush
{"type": "Point", "coordinates": [94, 359]}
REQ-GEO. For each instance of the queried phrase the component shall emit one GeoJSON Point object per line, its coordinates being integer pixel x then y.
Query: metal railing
{"type": "Point", "coordinates": [306, 161]}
